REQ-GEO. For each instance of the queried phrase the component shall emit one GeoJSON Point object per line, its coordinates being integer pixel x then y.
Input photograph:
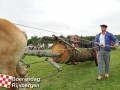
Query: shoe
{"type": "Point", "coordinates": [99, 77]}
{"type": "Point", "coordinates": [106, 75]}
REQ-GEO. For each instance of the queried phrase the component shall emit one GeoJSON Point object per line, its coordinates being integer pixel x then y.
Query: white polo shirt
{"type": "Point", "coordinates": [102, 39]}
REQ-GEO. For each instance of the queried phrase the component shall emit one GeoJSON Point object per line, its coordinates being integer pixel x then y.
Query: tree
{"type": "Point", "coordinates": [29, 41]}
{"type": "Point", "coordinates": [118, 36]}
{"type": "Point", "coordinates": [35, 40]}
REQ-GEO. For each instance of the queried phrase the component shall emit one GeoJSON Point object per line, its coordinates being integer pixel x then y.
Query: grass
{"type": "Point", "coordinates": [75, 77]}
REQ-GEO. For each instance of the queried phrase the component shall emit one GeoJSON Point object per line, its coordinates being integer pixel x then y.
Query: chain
{"type": "Point", "coordinates": [50, 75]}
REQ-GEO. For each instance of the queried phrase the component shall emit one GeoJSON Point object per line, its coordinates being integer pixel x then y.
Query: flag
{"type": "Point", "coordinates": [5, 80]}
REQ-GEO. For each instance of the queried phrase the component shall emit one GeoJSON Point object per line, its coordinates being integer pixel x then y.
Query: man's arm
{"type": "Point", "coordinates": [97, 40]}
{"type": "Point", "coordinates": [114, 39]}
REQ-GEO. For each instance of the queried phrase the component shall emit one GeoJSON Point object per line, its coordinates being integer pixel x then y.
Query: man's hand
{"type": "Point", "coordinates": [100, 44]}
{"type": "Point", "coordinates": [116, 45]}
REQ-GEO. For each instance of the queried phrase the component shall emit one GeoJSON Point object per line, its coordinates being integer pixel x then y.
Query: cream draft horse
{"type": "Point", "coordinates": [12, 47]}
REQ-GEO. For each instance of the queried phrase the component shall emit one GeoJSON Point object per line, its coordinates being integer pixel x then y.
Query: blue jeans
{"type": "Point", "coordinates": [103, 61]}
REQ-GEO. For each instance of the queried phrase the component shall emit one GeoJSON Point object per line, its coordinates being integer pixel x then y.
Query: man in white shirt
{"type": "Point", "coordinates": [103, 41]}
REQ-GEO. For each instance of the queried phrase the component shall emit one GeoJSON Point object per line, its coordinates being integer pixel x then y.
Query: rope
{"type": "Point", "coordinates": [38, 28]}
{"type": "Point", "coordinates": [52, 32]}
{"type": "Point", "coordinates": [47, 31]}
{"type": "Point", "coordinates": [57, 33]}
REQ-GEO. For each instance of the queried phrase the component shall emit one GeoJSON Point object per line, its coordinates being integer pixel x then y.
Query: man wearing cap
{"type": "Point", "coordinates": [103, 42]}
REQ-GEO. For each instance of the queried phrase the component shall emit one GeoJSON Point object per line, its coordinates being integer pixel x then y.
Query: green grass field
{"type": "Point", "coordinates": [75, 77]}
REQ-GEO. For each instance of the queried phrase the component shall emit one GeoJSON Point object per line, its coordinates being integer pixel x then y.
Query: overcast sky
{"type": "Point", "coordinates": [81, 17]}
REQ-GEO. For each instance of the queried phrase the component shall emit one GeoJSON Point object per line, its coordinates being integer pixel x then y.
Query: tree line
{"type": "Point", "coordinates": [35, 40]}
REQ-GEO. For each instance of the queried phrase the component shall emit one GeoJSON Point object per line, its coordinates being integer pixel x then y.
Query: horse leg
{"type": "Point", "coordinates": [22, 70]}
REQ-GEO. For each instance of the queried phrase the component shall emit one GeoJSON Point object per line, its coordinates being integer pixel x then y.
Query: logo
{"type": "Point", "coordinates": [5, 80]}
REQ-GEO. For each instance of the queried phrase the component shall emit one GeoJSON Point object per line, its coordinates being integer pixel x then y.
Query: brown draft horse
{"type": "Point", "coordinates": [12, 46]}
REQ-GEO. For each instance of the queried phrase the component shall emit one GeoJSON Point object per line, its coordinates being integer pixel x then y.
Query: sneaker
{"type": "Point", "coordinates": [106, 75]}
{"type": "Point", "coordinates": [99, 77]}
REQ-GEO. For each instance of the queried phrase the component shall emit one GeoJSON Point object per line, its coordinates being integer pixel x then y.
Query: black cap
{"type": "Point", "coordinates": [103, 25]}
